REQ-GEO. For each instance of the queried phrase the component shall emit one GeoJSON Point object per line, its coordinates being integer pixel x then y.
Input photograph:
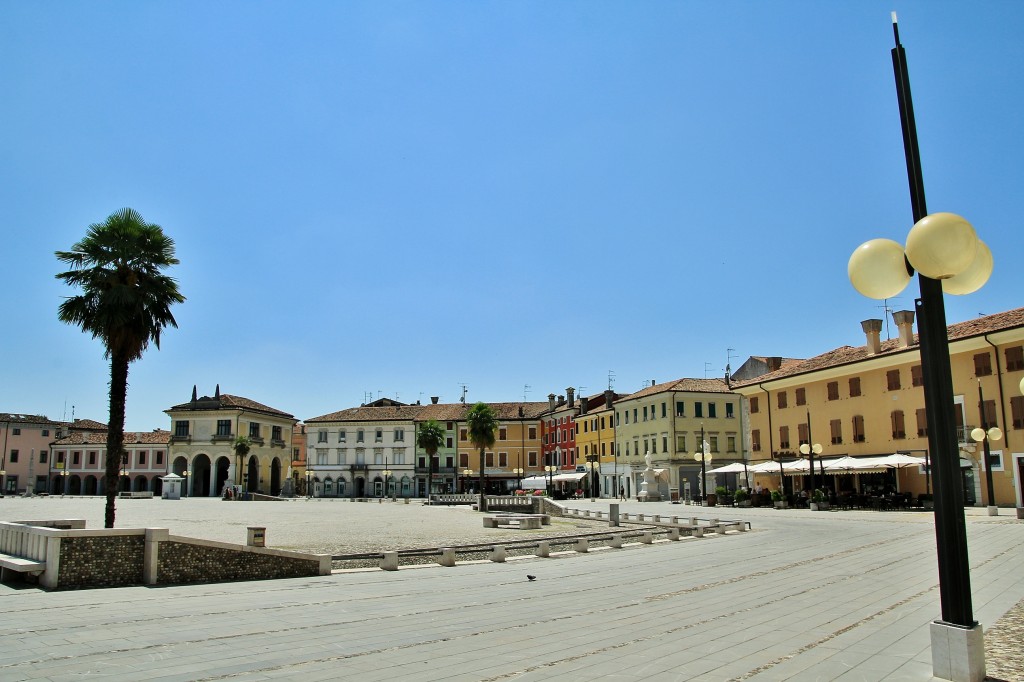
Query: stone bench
{"type": "Point", "coordinates": [521, 521]}
{"type": "Point", "coordinates": [19, 565]}
{"type": "Point", "coordinates": [143, 495]}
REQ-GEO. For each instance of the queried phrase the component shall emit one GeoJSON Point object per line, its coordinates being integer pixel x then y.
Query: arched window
{"type": "Point", "coordinates": [406, 486]}
{"type": "Point", "coordinates": [327, 486]}
{"type": "Point", "coordinates": [341, 487]}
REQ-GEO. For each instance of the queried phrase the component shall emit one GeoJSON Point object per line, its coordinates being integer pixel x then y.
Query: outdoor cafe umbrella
{"type": "Point", "coordinates": [734, 468]}
{"type": "Point", "coordinates": [899, 461]}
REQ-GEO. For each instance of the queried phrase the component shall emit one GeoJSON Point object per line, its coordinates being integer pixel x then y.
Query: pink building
{"type": "Point", "coordinates": [79, 462]}
{"type": "Point", "coordinates": [26, 442]}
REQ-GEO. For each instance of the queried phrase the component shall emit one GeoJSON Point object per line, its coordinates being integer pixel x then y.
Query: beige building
{"type": "Point", "coordinates": [25, 457]}
{"type": "Point", "coordinates": [667, 421]}
{"type": "Point", "coordinates": [868, 400]}
{"type": "Point", "coordinates": [80, 462]}
{"type": "Point", "coordinates": [203, 432]}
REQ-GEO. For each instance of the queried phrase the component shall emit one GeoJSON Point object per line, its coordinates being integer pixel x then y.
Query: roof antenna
{"type": "Point", "coordinates": [611, 380]}
{"type": "Point", "coordinates": [463, 398]}
{"type": "Point", "coordinates": [526, 389]}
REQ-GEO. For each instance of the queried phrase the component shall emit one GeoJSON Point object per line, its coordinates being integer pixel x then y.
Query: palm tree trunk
{"type": "Point", "coordinates": [115, 431]}
{"type": "Point", "coordinates": [482, 506]}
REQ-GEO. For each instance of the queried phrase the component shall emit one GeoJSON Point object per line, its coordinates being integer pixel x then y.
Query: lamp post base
{"type": "Point", "coordinates": [958, 653]}
{"type": "Point", "coordinates": [993, 510]}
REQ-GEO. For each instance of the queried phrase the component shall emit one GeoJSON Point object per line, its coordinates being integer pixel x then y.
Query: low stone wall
{"type": "Point", "coordinates": [77, 558]}
{"type": "Point", "coordinates": [181, 560]}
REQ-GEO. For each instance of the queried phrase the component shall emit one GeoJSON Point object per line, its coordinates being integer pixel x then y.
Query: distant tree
{"type": "Point", "coordinates": [126, 303]}
{"type": "Point", "coordinates": [430, 437]}
{"type": "Point", "coordinates": [481, 423]}
{"type": "Point", "coordinates": [241, 445]}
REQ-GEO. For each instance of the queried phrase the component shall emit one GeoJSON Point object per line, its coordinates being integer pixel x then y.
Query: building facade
{"type": "Point", "coordinates": [80, 462]}
{"type": "Point", "coordinates": [668, 421]}
{"type": "Point", "coordinates": [595, 441]}
{"type": "Point", "coordinates": [203, 433]}
{"type": "Point", "coordinates": [869, 400]}
{"type": "Point", "coordinates": [25, 458]}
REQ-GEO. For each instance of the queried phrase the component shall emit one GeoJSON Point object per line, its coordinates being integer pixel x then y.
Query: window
{"type": "Point", "coordinates": [728, 411]}
{"type": "Point", "coordinates": [463, 460]}
{"type": "Point", "coordinates": [142, 458]}
{"type": "Point", "coordinates": [899, 429]}
{"type": "Point", "coordinates": [784, 437]}
{"type": "Point", "coordinates": [731, 443]}
{"type": "Point", "coordinates": [833, 390]}
{"type": "Point", "coordinates": [342, 436]}
{"type": "Point", "coordinates": [680, 408]}
{"type": "Point", "coordinates": [76, 458]}
{"type": "Point", "coordinates": [634, 415]}
{"type": "Point", "coordinates": [532, 433]}
{"type": "Point", "coordinates": [463, 435]}
{"type": "Point", "coordinates": [782, 401]}
{"type": "Point", "coordinates": [159, 457]}
{"type": "Point", "coordinates": [503, 459]}
{"type": "Point", "coordinates": [802, 434]}
{"type": "Point", "coordinates": [42, 456]}
{"type": "Point", "coordinates": [626, 412]}
{"type": "Point", "coordinates": [321, 456]}
{"type": "Point", "coordinates": [680, 442]}
{"type": "Point", "coordinates": [181, 429]}
{"type": "Point", "coordinates": [989, 414]}
{"type": "Point", "coordinates": [448, 442]}
{"type": "Point", "coordinates": [837, 430]}
{"type": "Point", "coordinates": [14, 457]}
{"type": "Point", "coordinates": [664, 443]}
{"type": "Point", "coordinates": [922, 423]}
{"type": "Point", "coordinates": [449, 426]}
{"type": "Point", "coordinates": [854, 387]}
{"type": "Point", "coordinates": [531, 459]}
{"type": "Point", "coordinates": [858, 429]}
{"type": "Point", "coordinates": [1017, 411]}
{"type": "Point", "coordinates": [223, 427]}
{"type": "Point", "coordinates": [982, 364]}
{"type": "Point", "coordinates": [801, 396]}
{"type": "Point", "coordinates": [378, 435]}
{"type": "Point", "coordinates": [916, 376]}
{"type": "Point", "coordinates": [502, 433]}
{"type": "Point", "coordinates": [343, 456]}
{"type": "Point", "coordinates": [712, 411]}
{"type": "Point", "coordinates": [360, 436]}
{"type": "Point", "coordinates": [995, 460]}
{"type": "Point", "coordinates": [755, 440]}
{"type": "Point", "coordinates": [892, 379]}
{"type": "Point", "coordinates": [754, 407]}
{"type": "Point", "coordinates": [46, 432]}
{"type": "Point", "coordinates": [16, 431]}
{"type": "Point", "coordinates": [321, 436]}
{"type": "Point", "coordinates": [714, 443]}
{"type": "Point", "coordinates": [664, 410]}
{"type": "Point", "coordinates": [489, 459]}
{"type": "Point", "coordinates": [698, 409]}
{"type": "Point", "coordinates": [275, 433]}
{"type": "Point", "coordinates": [399, 435]}
{"type": "Point", "coordinates": [645, 413]}
{"type": "Point", "coordinates": [360, 457]}
{"type": "Point", "coordinates": [1014, 358]}
{"type": "Point", "coordinates": [254, 429]}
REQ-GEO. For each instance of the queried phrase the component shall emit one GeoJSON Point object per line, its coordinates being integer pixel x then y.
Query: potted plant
{"type": "Point", "coordinates": [779, 500]}
{"type": "Point", "coordinates": [818, 501]}
{"type": "Point", "coordinates": [742, 498]}
{"type": "Point", "coordinates": [927, 501]}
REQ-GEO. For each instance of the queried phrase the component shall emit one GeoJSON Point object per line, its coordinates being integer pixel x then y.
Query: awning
{"type": "Point", "coordinates": [565, 478]}
{"type": "Point", "coordinates": [734, 468]}
{"type": "Point", "coordinates": [535, 483]}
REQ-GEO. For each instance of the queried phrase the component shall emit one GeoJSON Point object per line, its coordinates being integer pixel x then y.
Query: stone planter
{"type": "Point", "coordinates": [781, 504]}
{"type": "Point", "coordinates": [1020, 512]}
{"type": "Point", "coordinates": [711, 499]}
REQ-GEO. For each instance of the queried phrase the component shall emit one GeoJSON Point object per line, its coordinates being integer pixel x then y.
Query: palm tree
{"type": "Point", "coordinates": [241, 446]}
{"type": "Point", "coordinates": [125, 302]}
{"type": "Point", "coordinates": [430, 437]}
{"type": "Point", "coordinates": [482, 422]}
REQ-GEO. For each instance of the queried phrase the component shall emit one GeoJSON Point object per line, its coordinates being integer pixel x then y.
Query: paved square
{"type": "Point", "coordinates": [804, 596]}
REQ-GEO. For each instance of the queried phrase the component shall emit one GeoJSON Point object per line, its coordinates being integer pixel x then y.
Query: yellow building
{"type": "Point", "coordinates": [517, 445]}
{"type": "Point", "coordinates": [868, 400]}
{"type": "Point", "coordinates": [667, 421]}
{"type": "Point", "coordinates": [595, 436]}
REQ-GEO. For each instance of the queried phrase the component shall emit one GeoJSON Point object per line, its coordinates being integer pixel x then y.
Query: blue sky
{"type": "Point", "coordinates": [396, 198]}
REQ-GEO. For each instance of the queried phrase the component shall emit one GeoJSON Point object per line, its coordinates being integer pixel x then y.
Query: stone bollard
{"type": "Point", "coordinates": [498, 554]}
{"type": "Point", "coordinates": [657, 518]}
{"type": "Point", "coordinates": [582, 545]}
{"type": "Point", "coordinates": [647, 538]}
{"type": "Point", "coordinates": [698, 532]}
{"type": "Point", "coordinates": [586, 514]}
{"type": "Point", "coordinates": [407, 500]}
{"type": "Point", "coordinates": [741, 527]}
{"type": "Point", "coordinates": [613, 514]}
{"type": "Point", "coordinates": [625, 516]}
{"type": "Point", "coordinates": [693, 520]}
{"type": "Point", "coordinates": [616, 542]}
{"type": "Point", "coordinates": [389, 562]}
{"type": "Point", "coordinates": [674, 520]}
{"type": "Point", "coordinates": [673, 533]}
{"type": "Point", "coordinates": [640, 518]}
{"type": "Point", "coordinates": [257, 536]}
{"type": "Point", "coordinates": [544, 549]}
{"type": "Point", "coordinates": [713, 522]}
{"type": "Point", "coordinates": [447, 557]}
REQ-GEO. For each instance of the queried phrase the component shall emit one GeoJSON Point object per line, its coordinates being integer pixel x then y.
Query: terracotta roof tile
{"type": "Point", "coordinates": [157, 437]}
{"type": "Point", "coordinates": [688, 385]}
{"type": "Point", "coordinates": [226, 401]}
{"type": "Point", "coordinates": [442, 412]}
{"type": "Point", "coordinates": [845, 355]}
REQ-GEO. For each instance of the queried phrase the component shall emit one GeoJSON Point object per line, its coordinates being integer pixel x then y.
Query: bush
{"type": "Point", "coordinates": [721, 491]}
{"type": "Point", "coordinates": [539, 493]}
{"type": "Point", "coordinates": [776, 496]}
{"type": "Point", "coordinates": [741, 495]}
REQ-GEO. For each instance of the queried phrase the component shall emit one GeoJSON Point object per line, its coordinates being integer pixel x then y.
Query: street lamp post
{"type": "Point", "coordinates": [594, 465]}
{"type": "Point", "coordinates": [984, 435]}
{"type": "Point", "coordinates": [703, 457]}
{"type": "Point", "coordinates": [387, 474]}
{"type": "Point", "coordinates": [467, 476]}
{"type": "Point", "coordinates": [550, 470]}
{"type": "Point", "coordinates": [184, 490]}
{"type": "Point", "coordinates": [809, 450]}
{"type": "Point", "coordinates": [948, 257]}
{"type": "Point", "coordinates": [64, 480]}
{"type": "Point", "coordinates": [309, 484]}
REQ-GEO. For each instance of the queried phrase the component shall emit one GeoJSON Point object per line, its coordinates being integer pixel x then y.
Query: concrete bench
{"type": "Point", "coordinates": [145, 495]}
{"type": "Point", "coordinates": [19, 565]}
{"type": "Point", "coordinates": [521, 521]}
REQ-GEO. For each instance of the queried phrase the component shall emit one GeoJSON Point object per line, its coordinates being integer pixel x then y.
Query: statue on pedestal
{"type": "Point", "coordinates": [646, 492]}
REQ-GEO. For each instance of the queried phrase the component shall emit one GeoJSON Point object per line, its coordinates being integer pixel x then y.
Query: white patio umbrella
{"type": "Point", "coordinates": [899, 460]}
{"type": "Point", "coordinates": [734, 468]}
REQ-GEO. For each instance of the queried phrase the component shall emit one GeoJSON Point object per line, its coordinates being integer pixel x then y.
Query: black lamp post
{"type": "Point", "coordinates": [809, 450]}
{"type": "Point", "coordinates": [984, 435]}
{"type": "Point", "coordinates": [702, 457]}
{"type": "Point", "coordinates": [948, 256]}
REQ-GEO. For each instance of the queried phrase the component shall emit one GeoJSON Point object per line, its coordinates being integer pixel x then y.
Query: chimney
{"type": "Point", "coordinates": [194, 395]}
{"type": "Point", "coordinates": [905, 323]}
{"type": "Point", "coordinates": [434, 399]}
{"type": "Point", "coordinates": [583, 405]}
{"type": "Point", "coordinates": [551, 401]}
{"type": "Point", "coordinates": [873, 329]}
{"type": "Point", "coordinates": [774, 363]}
{"type": "Point", "coordinates": [609, 397]}
{"type": "Point", "coordinates": [561, 400]}
{"type": "Point", "coordinates": [571, 394]}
